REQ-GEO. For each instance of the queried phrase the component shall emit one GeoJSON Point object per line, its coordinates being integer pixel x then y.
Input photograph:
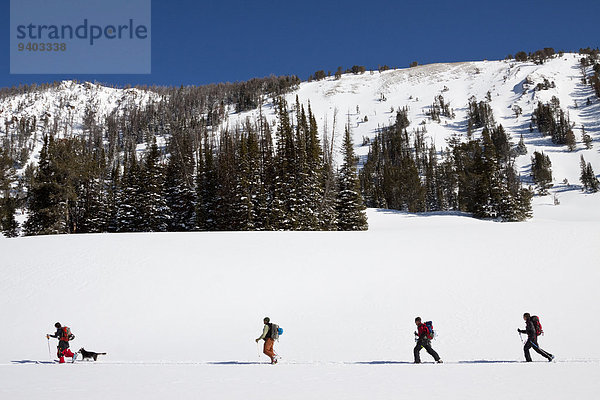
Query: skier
{"type": "Point", "coordinates": [63, 334]}
{"type": "Point", "coordinates": [269, 342]}
{"type": "Point", "coordinates": [532, 335]}
{"type": "Point", "coordinates": [424, 341]}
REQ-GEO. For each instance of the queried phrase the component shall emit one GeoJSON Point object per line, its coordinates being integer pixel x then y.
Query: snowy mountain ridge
{"type": "Point", "coordinates": [70, 99]}
{"type": "Point", "coordinates": [510, 84]}
{"type": "Point", "coordinates": [369, 101]}
{"type": "Point", "coordinates": [62, 110]}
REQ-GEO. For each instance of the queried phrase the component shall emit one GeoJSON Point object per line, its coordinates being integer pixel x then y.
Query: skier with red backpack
{"type": "Point", "coordinates": [533, 328]}
{"type": "Point", "coordinates": [64, 335]}
{"type": "Point", "coordinates": [424, 335]}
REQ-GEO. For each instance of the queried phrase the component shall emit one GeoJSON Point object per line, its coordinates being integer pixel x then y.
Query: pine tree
{"type": "Point", "coordinates": [570, 140]}
{"type": "Point", "coordinates": [315, 169]}
{"type": "Point", "coordinates": [267, 175]}
{"type": "Point", "coordinates": [154, 209]}
{"type": "Point", "coordinates": [541, 171]}
{"type": "Point", "coordinates": [206, 187]}
{"type": "Point", "coordinates": [112, 197]}
{"type": "Point", "coordinates": [413, 194]}
{"type": "Point", "coordinates": [588, 177]}
{"type": "Point", "coordinates": [351, 211]}
{"type": "Point", "coordinates": [328, 216]}
{"type": "Point", "coordinates": [586, 139]}
{"type": "Point", "coordinates": [521, 148]}
{"type": "Point", "coordinates": [306, 217]}
{"type": "Point", "coordinates": [93, 203]}
{"type": "Point", "coordinates": [227, 175]}
{"type": "Point", "coordinates": [92, 195]}
{"type": "Point", "coordinates": [8, 223]}
{"type": "Point", "coordinates": [129, 213]}
{"type": "Point", "coordinates": [48, 197]}
{"type": "Point", "coordinates": [593, 184]}
{"type": "Point", "coordinates": [179, 186]}
{"type": "Point", "coordinates": [283, 214]}
{"type": "Point", "coordinates": [489, 192]}
{"type": "Point", "coordinates": [502, 144]}
{"type": "Point", "coordinates": [371, 176]}
{"type": "Point", "coordinates": [247, 184]}
{"type": "Point", "coordinates": [433, 196]}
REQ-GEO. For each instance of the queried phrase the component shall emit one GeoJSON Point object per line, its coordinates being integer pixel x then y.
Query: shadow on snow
{"type": "Point", "coordinates": [236, 363]}
{"type": "Point", "coordinates": [31, 362]}
{"type": "Point", "coordinates": [379, 362]}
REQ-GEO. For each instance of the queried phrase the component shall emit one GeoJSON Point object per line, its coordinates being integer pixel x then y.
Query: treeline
{"type": "Point", "coordinates": [591, 58]}
{"type": "Point", "coordinates": [237, 180]}
{"type": "Point", "coordinates": [355, 69]}
{"type": "Point", "coordinates": [538, 56]}
{"type": "Point", "coordinates": [475, 176]}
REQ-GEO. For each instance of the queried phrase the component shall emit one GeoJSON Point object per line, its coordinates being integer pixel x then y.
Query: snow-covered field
{"type": "Point", "coordinates": [177, 313]}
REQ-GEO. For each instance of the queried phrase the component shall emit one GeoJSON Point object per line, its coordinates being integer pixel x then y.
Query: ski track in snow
{"type": "Point", "coordinates": [490, 381]}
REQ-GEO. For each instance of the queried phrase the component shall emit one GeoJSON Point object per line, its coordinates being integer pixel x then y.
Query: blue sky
{"type": "Point", "coordinates": [197, 42]}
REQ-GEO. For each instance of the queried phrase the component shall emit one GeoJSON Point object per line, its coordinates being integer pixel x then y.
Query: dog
{"type": "Point", "coordinates": [88, 355]}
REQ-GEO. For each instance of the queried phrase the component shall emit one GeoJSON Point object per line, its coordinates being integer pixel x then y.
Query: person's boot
{"type": "Point", "coordinates": [68, 353]}
{"type": "Point", "coordinates": [61, 360]}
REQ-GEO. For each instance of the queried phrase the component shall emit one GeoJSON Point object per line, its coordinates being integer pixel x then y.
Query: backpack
{"type": "Point", "coordinates": [66, 334]}
{"type": "Point", "coordinates": [430, 331]}
{"type": "Point", "coordinates": [538, 326]}
{"type": "Point", "coordinates": [276, 331]}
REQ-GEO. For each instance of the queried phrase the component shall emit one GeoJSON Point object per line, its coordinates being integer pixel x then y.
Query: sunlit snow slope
{"type": "Point", "coordinates": [509, 84]}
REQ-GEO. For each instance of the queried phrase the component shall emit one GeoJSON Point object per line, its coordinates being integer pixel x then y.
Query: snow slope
{"type": "Point", "coordinates": [67, 103]}
{"type": "Point", "coordinates": [177, 313]}
{"type": "Point", "coordinates": [509, 83]}
{"type": "Point", "coordinates": [66, 106]}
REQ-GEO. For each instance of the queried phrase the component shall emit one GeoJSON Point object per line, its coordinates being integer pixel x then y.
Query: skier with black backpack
{"type": "Point", "coordinates": [270, 333]}
{"type": "Point", "coordinates": [64, 335]}
{"type": "Point", "coordinates": [424, 335]}
{"type": "Point", "coordinates": [533, 328]}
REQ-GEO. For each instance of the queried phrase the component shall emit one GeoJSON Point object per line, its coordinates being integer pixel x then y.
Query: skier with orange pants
{"type": "Point", "coordinates": [267, 336]}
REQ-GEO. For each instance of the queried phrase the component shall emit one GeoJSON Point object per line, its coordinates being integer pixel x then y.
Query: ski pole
{"type": "Point", "coordinates": [49, 353]}
{"type": "Point", "coordinates": [258, 349]}
{"type": "Point", "coordinates": [521, 336]}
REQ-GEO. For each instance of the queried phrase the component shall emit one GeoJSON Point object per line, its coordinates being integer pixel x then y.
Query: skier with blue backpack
{"type": "Point", "coordinates": [424, 335]}
{"type": "Point", "coordinates": [270, 334]}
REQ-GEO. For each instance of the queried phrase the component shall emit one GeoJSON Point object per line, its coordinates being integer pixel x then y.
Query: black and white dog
{"type": "Point", "coordinates": [89, 354]}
